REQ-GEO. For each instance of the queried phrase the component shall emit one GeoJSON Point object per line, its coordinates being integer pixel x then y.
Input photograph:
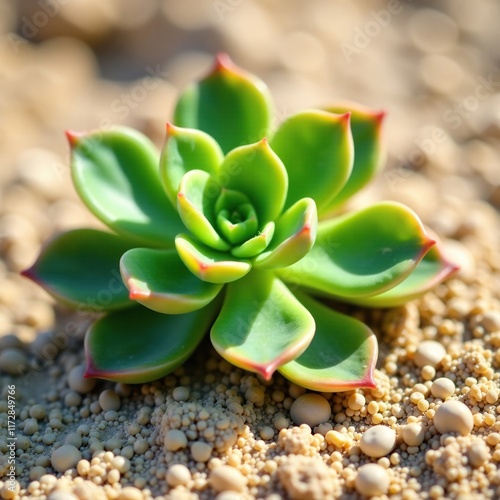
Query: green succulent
{"type": "Point", "coordinates": [230, 229]}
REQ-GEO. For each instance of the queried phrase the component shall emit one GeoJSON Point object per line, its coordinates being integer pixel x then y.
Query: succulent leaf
{"type": "Point", "coordinates": [196, 198]}
{"type": "Point", "coordinates": [261, 325]}
{"type": "Point", "coordinates": [139, 345]}
{"type": "Point", "coordinates": [369, 154]}
{"type": "Point", "coordinates": [430, 271]}
{"type": "Point", "coordinates": [341, 356]}
{"type": "Point", "coordinates": [255, 245]}
{"type": "Point", "coordinates": [80, 268]}
{"type": "Point", "coordinates": [115, 172]}
{"type": "Point", "coordinates": [208, 264]}
{"type": "Point", "coordinates": [317, 149]}
{"type": "Point", "coordinates": [362, 253]}
{"type": "Point", "coordinates": [294, 236]}
{"type": "Point", "coordinates": [185, 150]}
{"type": "Point", "coordinates": [159, 280]}
{"type": "Point", "coordinates": [231, 105]}
{"type": "Point", "coordinates": [256, 171]}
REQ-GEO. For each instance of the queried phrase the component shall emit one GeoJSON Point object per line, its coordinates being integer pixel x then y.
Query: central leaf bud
{"type": "Point", "coordinates": [236, 217]}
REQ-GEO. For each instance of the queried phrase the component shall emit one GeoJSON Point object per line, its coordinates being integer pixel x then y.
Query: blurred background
{"type": "Point", "coordinates": [83, 64]}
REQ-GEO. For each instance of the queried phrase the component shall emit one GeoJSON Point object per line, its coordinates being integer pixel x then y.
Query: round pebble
{"type": "Point", "coordinates": [311, 409]}
{"type": "Point", "coordinates": [178, 474]}
{"type": "Point", "coordinates": [372, 480]}
{"type": "Point", "coordinates": [13, 361]}
{"type": "Point", "coordinates": [201, 451]}
{"type": "Point", "coordinates": [77, 383]}
{"type": "Point", "coordinates": [378, 441]}
{"type": "Point", "coordinates": [453, 416]}
{"type": "Point", "coordinates": [429, 352]}
{"type": "Point", "coordinates": [64, 458]}
{"type": "Point", "coordinates": [225, 478]}
{"type": "Point", "coordinates": [61, 495]}
{"type": "Point", "coordinates": [109, 400]}
{"type": "Point", "coordinates": [413, 434]}
{"type": "Point", "coordinates": [442, 388]}
{"type": "Point", "coordinates": [180, 393]}
{"type": "Point", "coordinates": [175, 440]}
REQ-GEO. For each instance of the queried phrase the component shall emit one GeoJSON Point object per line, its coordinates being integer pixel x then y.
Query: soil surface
{"type": "Point", "coordinates": [431, 427]}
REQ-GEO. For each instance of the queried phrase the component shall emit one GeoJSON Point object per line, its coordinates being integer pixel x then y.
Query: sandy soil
{"type": "Point", "coordinates": [210, 430]}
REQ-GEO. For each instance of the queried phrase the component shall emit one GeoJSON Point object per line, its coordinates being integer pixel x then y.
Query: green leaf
{"type": "Point", "coordinates": [196, 198]}
{"type": "Point", "coordinates": [430, 271]}
{"type": "Point", "coordinates": [255, 245]}
{"type": "Point", "coordinates": [317, 150]}
{"type": "Point", "coordinates": [208, 264]}
{"type": "Point", "coordinates": [115, 172]}
{"type": "Point", "coordinates": [139, 345]}
{"type": "Point", "coordinates": [185, 150]}
{"type": "Point", "coordinates": [294, 237]}
{"type": "Point", "coordinates": [341, 356]}
{"type": "Point", "coordinates": [159, 280]}
{"type": "Point", "coordinates": [369, 153]}
{"type": "Point", "coordinates": [261, 325]}
{"type": "Point", "coordinates": [231, 105]}
{"type": "Point", "coordinates": [362, 253]}
{"type": "Point", "coordinates": [256, 171]}
{"type": "Point", "coordinates": [80, 268]}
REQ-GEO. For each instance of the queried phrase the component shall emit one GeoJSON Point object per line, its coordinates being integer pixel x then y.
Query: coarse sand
{"type": "Point", "coordinates": [431, 427]}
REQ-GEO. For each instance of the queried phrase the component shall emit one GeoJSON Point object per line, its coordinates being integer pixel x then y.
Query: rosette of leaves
{"type": "Point", "coordinates": [233, 229]}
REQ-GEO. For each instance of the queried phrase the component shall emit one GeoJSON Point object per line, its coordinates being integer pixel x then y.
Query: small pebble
{"type": "Point", "coordinates": [442, 388]}
{"type": "Point", "coordinates": [130, 493]}
{"type": "Point", "coordinates": [109, 400]}
{"type": "Point", "coordinates": [372, 480]}
{"type": "Point", "coordinates": [413, 434]}
{"type": "Point", "coordinates": [77, 383]}
{"type": "Point", "coordinates": [453, 416]}
{"type": "Point", "coordinates": [180, 393]}
{"type": "Point", "coordinates": [378, 441]}
{"type": "Point", "coordinates": [175, 440]}
{"type": "Point", "coordinates": [201, 451]}
{"type": "Point", "coordinates": [64, 458]}
{"type": "Point", "coordinates": [429, 352]}
{"type": "Point", "coordinates": [13, 361]}
{"type": "Point", "coordinates": [178, 474]}
{"type": "Point", "coordinates": [225, 478]}
{"type": "Point", "coordinates": [311, 409]}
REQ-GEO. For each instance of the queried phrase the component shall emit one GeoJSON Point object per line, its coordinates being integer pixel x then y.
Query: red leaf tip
{"type": "Point", "coordinates": [222, 61]}
{"type": "Point", "coordinates": [171, 128]}
{"type": "Point", "coordinates": [73, 137]}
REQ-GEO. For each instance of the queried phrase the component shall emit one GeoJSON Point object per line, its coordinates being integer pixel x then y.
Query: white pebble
{"type": "Point", "coordinates": [453, 416]}
{"type": "Point", "coordinates": [64, 458]}
{"type": "Point", "coordinates": [443, 388]}
{"type": "Point", "coordinates": [77, 383]}
{"type": "Point", "coordinates": [311, 409]}
{"type": "Point", "coordinates": [61, 495]}
{"type": "Point", "coordinates": [109, 400]}
{"type": "Point", "coordinates": [378, 441]}
{"type": "Point", "coordinates": [225, 478]}
{"type": "Point", "coordinates": [175, 440]}
{"type": "Point", "coordinates": [201, 451]}
{"type": "Point", "coordinates": [180, 393]}
{"type": "Point", "coordinates": [413, 434]}
{"type": "Point", "coordinates": [372, 480]}
{"type": "Point", "coordinates": [429, 352]}
{"type": "Point", "coordinates": [178, 474]}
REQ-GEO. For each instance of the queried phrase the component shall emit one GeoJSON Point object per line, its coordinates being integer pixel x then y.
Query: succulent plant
{"type": "Point", "coordinates": [237, 229]}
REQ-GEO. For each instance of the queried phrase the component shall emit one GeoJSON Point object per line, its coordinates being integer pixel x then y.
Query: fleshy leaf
{"type": "Point", "coordinates": [139, 345]}
{"type": "Point", "coordinates": [369, 154]}
{"type": "Point", "coordinates": [159, 280]}
{"type": "Point", "coordinates": [294, 237]}
{"type": "Point", "coordinates": [317, 150]}
{"type": "Point", "coordinates": [256, 171]}
{"type": "Point", "coordinates": [196, 198]}
{"type": "Point", "coordinates": [185, 150]}
{"type": "Point", "coordinates": [341, 356]}
{"type": "Point", "coordinates": [362, 253]}
{"type": "Point", "coordinates": [80, 268]}
{"type": "Point", "coordinates": [115, 172]}
{"type": "Point", "coordinates": [430, 271]}
{"type": "Point", "coordinates": [208, 264]}
{"type": "Point", "coordinates": [261, 325]}
{"type": "Point", "coordinates": [231, 105]}
{"type": "Point", "coordinates": [255, 245]}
